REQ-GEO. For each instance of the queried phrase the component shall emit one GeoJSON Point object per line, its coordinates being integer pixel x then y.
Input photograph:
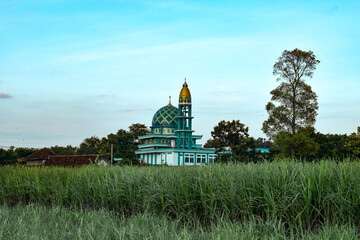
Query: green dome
{"type": "Point", "coordinates": [166, 117]}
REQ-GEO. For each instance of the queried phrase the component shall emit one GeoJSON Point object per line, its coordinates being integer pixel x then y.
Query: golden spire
{"type": "Point", "coordinates": [185, 96]}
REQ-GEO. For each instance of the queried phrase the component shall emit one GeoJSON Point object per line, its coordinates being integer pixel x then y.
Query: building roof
{"type": "Point", "coordinates": [42, 154]}
{"type": "Point", "coordinates": [166, 117]}
{"type": "Point", "coordinates": [72, 160]}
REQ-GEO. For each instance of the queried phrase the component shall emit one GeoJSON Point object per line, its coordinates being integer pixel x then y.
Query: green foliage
{"type": "Point", "coordinates": [353, 144]}
{"type": "Point", "coordinates": [210, 143]}
{"type": "Point", "coordinates": [303, 141]}
{"type": "Point", "coordinates": [13, 155]}
{"type": "Point", "coordinates": [23, 152]}
{"type": "Point", "coordinates": [37, 222]}
{"type": "Point", "coordinates": [7, 157]}
{"type": "Point", "coordinates": [224, 158]}
{"type": "Point", "coordinates": [126, 162]}
{"type": "Point", "coordinates": [332, 146]}
{"type": "Point", "coordinates": [68, 150]}
{"type": "Point", "coordinates": [263, 143]}
{"type": "Point", "coordinates": [124, 143]}
{"type": "Point", "coordinates": [138, 129]}
{"type": "Point", "coordinates": [298, 194]}
{"type": "Point", "coordinates": [90, 145]}
{"type": "Point", "coordinates": [234, 136]}
{"type": "Point", "coordinates": [297, 103]}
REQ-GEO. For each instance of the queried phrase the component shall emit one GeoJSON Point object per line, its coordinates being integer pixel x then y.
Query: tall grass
{"type": "Point", "coordinates": [36, 222]}
{"type": "Point", "coordinates": [297, 194]}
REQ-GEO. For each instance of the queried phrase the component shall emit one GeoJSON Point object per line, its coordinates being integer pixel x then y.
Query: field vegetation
{"type": "Point", "coordinates": [285, 199]}
{"type": "Point", "coordinates": [38, 222]}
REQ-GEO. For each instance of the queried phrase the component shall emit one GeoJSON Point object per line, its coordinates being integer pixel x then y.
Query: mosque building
{"type": "Point", "coordinates": [171, 140]}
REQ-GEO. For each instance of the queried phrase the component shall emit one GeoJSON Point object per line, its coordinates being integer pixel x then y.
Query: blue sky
{"type": "Point", "coordinates": [74, 69]}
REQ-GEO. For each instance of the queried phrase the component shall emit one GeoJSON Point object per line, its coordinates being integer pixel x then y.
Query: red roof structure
{"type": "Point", "coordinates": [42, 154]}
{"type": "Point", "coordinates": [72, 160]}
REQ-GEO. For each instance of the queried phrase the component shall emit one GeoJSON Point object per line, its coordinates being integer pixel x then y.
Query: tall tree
{"type": "Point", "coordinates": [297, 102]}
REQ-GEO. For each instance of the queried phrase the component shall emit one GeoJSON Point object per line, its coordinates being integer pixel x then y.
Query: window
{"type": "Point", "coordinates": [189, 158]}
{"type": "Point", "coordinates": [146, 142]}
{"type": "Point", "coordinates": [150, 142]}
{"type": "Point", "coordinates": [154, 141]}
{"type": "Point", "coordinates": [212, 158]}
{"type": "Point", "coordinates": [201, 158]}
{"type": "Point", "coordinates": [168, 130]}
{"type": "Point", "coordinates": [164, 131]}
{"type": "Point", "coordinates": [173, 131]}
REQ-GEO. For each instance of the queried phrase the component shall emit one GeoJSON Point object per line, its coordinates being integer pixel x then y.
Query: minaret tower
{"type": "Point", "coordinates": [184, 131]}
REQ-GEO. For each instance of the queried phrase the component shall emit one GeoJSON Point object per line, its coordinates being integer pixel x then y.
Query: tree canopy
{"type": "Point", "coordinates": [293, 103]}
{"type": "Point", "coordinates": [232, 136]}
{"type": "Point", "coordinates": [353, 144]}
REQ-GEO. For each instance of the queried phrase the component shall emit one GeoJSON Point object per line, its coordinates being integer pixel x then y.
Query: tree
{"type": "Point", "coordinates": [123, 143]}
{"type": "Point", "coordinates": [211, 143]}
{"type": "Point", "coordinates": [89, 146]}
{"type": "Point", "coordinates": [138, 129]}
{"type": "Point", "coordinates": [263, 143]}
{"type": "Point", "coordinates": [353, 144]}
{"type": "Point", "coordinates": [7, 157]}
{"type": "Point", "coordinates": [297, 103]}
{"type": "Point", "coordinates": [24, 152]}
{"type": "Point", "coordinates": [332, 146]}
{"type": "Point", "coordinates": [303, 140]}
{"type": "Point", "coordinates": [68, 150]}
{"type": "Point", "coordinates": [234, 136]}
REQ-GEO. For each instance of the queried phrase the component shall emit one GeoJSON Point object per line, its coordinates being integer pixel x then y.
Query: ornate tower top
{"type": "Point", "coordinates": [185, 96]}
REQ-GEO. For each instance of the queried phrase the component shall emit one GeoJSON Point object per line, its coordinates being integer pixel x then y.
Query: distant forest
{"type": "Point", "coordinates": [330, 146]}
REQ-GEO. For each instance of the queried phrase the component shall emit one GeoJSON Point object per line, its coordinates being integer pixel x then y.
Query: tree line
{"type": "Point", "coordinates": [124, 142]}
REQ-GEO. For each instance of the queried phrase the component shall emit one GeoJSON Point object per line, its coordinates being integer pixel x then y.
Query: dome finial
{"type": "Point", "coordinates": [169, 100]}
{"type": "Point", "coordinates": [185, 84]}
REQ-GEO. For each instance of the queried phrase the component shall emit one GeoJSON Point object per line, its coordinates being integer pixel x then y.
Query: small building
{"type": "Point", "coordinates": [76, 160]}
{"type": "Point", "coordinates": [172, 140]}
{"type": "Point", "coordinates": [46, 157]}
{"type": "Point", "coordinates": [39, 158]}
